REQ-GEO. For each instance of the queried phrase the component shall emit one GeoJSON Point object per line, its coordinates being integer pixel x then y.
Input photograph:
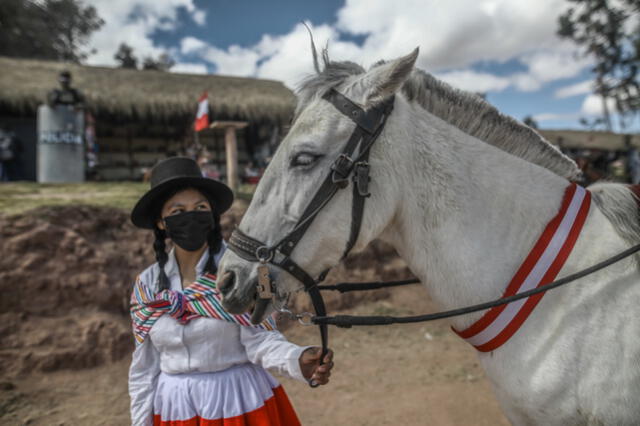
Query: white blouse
{"type": "Point", "coordinates": [202, 345]}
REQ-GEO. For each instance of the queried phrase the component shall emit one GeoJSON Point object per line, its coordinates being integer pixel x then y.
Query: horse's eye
{"type": "Point", "coordinates": [304, 159]}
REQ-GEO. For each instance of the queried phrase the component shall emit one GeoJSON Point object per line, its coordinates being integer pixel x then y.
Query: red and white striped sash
{"type": "Point", "coordinates": [539, 268]}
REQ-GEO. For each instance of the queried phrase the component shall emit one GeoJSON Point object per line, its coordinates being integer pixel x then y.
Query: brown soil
{"type": "Point", "coordinates": [65, 277]}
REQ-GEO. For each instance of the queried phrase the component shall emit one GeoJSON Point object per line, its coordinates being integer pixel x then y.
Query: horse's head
{"type": "Point", "coordinates": [303, 161]}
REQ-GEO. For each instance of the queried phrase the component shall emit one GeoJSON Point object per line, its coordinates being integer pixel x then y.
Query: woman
{"type": "Point", "coordinates": [194, 363]}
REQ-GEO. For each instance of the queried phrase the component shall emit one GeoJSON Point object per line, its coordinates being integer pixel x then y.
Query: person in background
{"type": "Point", "coordinates": [617, 171]}
{"type": "Point", "coordinates": [91, 146]}
{"type": "Point", "coordinates": [633, 161]}
{"type": "Point", "coordinates": [252, 173]}
{"type": "Point", "coordinates": [66, 95]}
{"type": "Point", "coordinates": [194, 363]}
{"type": "Point", "coordinates": [9, 155]}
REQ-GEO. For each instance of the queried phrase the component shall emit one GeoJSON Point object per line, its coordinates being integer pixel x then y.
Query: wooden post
{"type": "Point", "coordinates": [231, 148]}
{"type": "Point", "coordinates": [196, 139]}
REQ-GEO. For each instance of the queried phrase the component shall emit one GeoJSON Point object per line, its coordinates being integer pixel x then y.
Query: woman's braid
{"type": "Point", "coordinates": [161, 257]}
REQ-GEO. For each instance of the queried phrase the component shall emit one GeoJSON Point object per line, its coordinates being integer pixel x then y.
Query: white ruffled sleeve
{"type": "Point", "coordinates": [143, 375]}
{"type": "Point", "coordinates": [272, 351]}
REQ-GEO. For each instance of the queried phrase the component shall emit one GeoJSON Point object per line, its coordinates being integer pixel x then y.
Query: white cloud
{"type": "Point", "coordinates": [235, 60]}
{"type": "Point", "coordinates": [452, 37]}
{"type": "Point", "coordinates": [549, 65]}
{"type": "Point", "coordinates": [189, 68]}
{"type": "Point", "coordinates": [576, 89]}
{"type": "Point", "coordinates": [592, 105]}
{"type": "Point", "coordinates": [199, 17]}
{"type": "Point", "coordinates": [191, 45]}
{"type": "Point", "coordinates": [133, 22]}
{"type": "Point", "coordinates": [526, 82]}
{"type": "Point", "coordinates": [452, 34]}
{"type": "Point", "coordinates": [475, 81]}
{"type": "Point", "coordinates": [289, 57]}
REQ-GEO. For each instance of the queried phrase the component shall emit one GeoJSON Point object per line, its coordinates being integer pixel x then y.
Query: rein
{"type": "Point", "coordinates": [347, 321]}
{"type": "Point", "coordinates": [354, 164]}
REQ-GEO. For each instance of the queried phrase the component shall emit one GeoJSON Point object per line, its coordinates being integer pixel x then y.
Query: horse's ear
{"type": "Point", "coordinates": [384, 80]}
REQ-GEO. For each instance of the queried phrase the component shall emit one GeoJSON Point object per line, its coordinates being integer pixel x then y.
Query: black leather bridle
{"type": "Point", "coordinates": [351, 163]}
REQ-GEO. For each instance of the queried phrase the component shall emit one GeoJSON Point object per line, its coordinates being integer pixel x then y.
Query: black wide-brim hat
{"type": "Point", "coordinates": [171, 174]}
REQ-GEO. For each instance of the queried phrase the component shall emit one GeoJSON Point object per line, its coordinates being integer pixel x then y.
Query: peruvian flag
{"type": "Point", "coordinates": [202, 117]}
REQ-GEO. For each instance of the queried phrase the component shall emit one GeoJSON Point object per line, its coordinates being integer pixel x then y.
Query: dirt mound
{"type": "Point", "coordinates": [66, 274]}
{"type": "Point", "coordinates": [61, 258]}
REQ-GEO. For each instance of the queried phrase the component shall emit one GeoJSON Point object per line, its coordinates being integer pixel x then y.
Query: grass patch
{"type": "Point", "coordinates": [18, 197]}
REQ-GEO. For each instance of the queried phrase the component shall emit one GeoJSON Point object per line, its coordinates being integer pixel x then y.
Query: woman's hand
{"type": "Point", "coordinates": [311, 368]}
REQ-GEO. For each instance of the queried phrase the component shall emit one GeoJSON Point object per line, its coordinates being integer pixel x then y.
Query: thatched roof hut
{"type": "Point", "coordinates": [144, 116]}
{"type": "Point", "coordinates": [156, 96]}
{"type": "Point", "coordinates": [580, 139]}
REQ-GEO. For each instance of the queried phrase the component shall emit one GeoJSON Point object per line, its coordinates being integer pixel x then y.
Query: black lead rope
{"type": "Point", "coordinates": [347, 321]}
{"type": "Point", "coordinates": [375, 285]}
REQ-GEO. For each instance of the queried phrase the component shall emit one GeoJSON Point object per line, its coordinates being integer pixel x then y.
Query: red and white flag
{"type": "Point", "coordinates": [202, 117]}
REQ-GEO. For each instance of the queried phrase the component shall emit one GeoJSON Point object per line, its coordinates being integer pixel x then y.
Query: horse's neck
{"type": "Point", "coordinates": [470, 213]}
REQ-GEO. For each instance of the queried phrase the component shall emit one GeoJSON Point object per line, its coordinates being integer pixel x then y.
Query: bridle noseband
{"type": "Point", "coordinates": [351, 163]}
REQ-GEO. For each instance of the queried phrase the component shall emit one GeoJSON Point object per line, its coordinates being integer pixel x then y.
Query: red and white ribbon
{"type": "Point", "coordinates": [539, 268]}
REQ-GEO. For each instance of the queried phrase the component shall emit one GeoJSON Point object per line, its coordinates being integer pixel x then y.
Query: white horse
{"type": "Point", "coordinates": [463, 194]}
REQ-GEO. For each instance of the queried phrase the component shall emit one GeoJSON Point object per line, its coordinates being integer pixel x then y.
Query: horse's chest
{"type": "Point", "coordinates": [575, 372]}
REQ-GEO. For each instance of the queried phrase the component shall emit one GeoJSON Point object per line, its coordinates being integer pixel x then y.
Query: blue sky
{"type": "Point", "coordinates": [505, 48]}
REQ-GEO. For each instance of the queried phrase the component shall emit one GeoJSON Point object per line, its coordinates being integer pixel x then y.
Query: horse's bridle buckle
{"type": "Point", "coordinates": [341, 169]}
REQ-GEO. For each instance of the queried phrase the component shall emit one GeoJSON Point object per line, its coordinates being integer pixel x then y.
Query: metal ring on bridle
{"type": "Point", "coordinates": [264, 254]}
{"type": "Point", "coordinates": [305, 318]}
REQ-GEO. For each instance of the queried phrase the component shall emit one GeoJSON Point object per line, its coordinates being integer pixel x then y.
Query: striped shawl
{"type": "Point", "coordinates": [200, 299]}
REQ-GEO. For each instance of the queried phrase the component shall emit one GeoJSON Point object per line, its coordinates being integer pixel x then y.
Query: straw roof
{"type": "Point", "coordinates": [144, 95]}
{"type": "Point", "coordinates": [590, 139]}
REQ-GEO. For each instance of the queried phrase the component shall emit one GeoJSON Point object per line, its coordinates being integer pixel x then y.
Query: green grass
{"type": "Point", "coordinates": [16, 198]}
{"type": "Point", "coordinates": [19, 197]}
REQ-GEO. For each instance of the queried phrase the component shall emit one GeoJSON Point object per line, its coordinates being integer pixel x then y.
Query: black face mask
{"type": "Point", "coordinates": [189, 230]}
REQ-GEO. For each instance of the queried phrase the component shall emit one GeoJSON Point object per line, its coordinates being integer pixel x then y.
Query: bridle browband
{"type": "Point", "coordinates": [351, 163]}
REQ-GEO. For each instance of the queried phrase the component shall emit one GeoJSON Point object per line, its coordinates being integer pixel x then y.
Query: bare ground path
{"type": "Point", "coordinates": [419, 374]}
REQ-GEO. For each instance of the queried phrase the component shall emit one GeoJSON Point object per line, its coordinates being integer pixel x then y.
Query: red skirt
{"type": "Point", "coordinates": [243, 395]}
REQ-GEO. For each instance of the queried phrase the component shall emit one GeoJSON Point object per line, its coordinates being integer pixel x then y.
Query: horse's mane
{"type": "Point", "coordinates": [466, 111]}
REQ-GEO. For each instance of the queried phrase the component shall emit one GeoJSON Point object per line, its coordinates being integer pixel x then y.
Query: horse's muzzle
{"type": "Point", "coordinates": [234, 299]}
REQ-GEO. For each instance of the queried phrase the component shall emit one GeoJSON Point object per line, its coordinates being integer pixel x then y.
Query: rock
{"type": "Point", "coordinates": [7, 386]}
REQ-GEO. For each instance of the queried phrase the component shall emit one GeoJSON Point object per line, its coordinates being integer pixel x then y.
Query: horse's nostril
{"type": "Point", "coordinates": [226, 283]}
